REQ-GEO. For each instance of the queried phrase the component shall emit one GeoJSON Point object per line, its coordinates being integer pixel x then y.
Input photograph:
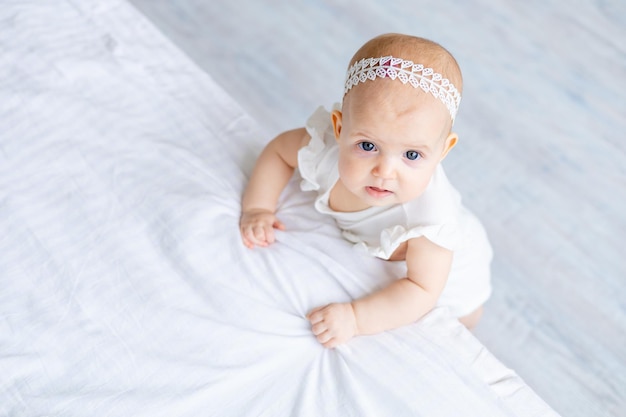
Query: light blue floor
{"type": "Point", "coordinates": [542, 158]}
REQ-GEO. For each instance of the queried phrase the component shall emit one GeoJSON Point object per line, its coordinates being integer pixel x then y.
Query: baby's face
{"type": "Point", "coordinates": [391, 138]}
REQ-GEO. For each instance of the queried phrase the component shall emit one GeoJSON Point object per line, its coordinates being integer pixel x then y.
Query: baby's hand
{"type": "Point", "coordinates": [257, 227]}
{"type": "Point", "coordinates": [333, 324]}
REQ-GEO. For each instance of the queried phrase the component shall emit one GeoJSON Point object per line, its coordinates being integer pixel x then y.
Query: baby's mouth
{"type": "Point", "coordinates": [378, 192]}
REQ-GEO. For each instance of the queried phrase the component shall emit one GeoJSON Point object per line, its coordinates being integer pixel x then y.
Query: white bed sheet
{"type": "Point", "coordinates": [124, 287]}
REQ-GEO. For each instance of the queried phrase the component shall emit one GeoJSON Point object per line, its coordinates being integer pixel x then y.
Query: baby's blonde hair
{"type": "Point", "coordinates": [416, 49]}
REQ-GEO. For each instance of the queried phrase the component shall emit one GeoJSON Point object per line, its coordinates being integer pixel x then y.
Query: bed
{"type": "Point", "coordinates": [124, 287]}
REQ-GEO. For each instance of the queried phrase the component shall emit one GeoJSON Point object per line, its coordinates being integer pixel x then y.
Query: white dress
{"type": "Point", "coordinates": [437, 214]}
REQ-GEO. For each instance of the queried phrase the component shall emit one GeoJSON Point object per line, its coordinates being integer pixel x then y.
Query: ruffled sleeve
{"type": "Point", "coordinates": [317, 162]}
{"type": "Point", "coordinates": [444, 235]}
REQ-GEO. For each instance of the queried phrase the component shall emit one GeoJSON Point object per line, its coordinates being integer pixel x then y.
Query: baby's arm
{"type": "Point", "coordinates": [401, 303]}
{"type": "Point", "coordinates": [407, 299]}
{"type": "Point", "coordinates": [271, 174]}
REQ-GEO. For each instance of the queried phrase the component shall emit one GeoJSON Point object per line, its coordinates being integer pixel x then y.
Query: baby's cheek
{"type": "Point", "coordinates": [349, 171]}
{"type": "Point", "coordinates": [416, 187]}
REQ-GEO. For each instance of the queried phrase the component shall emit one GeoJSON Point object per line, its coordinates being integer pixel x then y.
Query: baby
{"type": "Point", "coordinates": [375, 165]}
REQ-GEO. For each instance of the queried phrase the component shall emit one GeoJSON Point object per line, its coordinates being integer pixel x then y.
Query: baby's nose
{"type": "Point", "coordinates": [384, 168]}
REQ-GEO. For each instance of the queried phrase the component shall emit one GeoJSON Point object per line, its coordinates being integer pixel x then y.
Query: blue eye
{"type": "Point", "coordinates": [413, 155]}
{"type": "Point", "coordinates": [367, 146]}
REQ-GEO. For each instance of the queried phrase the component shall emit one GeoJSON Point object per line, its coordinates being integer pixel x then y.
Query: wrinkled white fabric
{"type": "Point", "coordinates": [125, 289]}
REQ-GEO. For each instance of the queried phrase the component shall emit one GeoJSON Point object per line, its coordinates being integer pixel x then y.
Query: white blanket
{"type": "Point", "coordinates": [124, 287]}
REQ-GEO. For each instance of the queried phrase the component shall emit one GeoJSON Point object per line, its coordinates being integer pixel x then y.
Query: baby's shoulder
{"type": "Point", "coordinates": [317, 158]}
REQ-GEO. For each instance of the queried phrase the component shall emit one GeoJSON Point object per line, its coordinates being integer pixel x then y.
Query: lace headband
{"type": "Point", "coordinates": [407, 72]}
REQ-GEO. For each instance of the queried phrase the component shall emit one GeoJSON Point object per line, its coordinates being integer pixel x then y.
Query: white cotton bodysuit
{"type": "Point", "coordinates": [437, 214]}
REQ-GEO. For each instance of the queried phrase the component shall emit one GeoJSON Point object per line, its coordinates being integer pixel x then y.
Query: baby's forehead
{"type": "Point", "coordinates": [397, 113]}
{"type": "Point", "coordinates": [383, 96]}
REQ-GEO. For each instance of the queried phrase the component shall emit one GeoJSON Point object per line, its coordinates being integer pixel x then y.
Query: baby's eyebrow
{"type": "Point", "coordinates": [418, 145]}
{"type": "Point", "coordinates": [362, 135]}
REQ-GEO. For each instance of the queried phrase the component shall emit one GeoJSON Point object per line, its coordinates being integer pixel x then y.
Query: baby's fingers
{"type": "Point", "coordinates": [268, 232]}
{"type": "Point", "coordinates": [246, 242]}
{"type": "Point", "coordinates": [318, 329]}
{"type": "Point", "coordinates": [325, 335]}
{"type": "Point", "coordinates": [279, 225]}
{"type": "Point", "coordinates": [260, 233]}
{"type": "Point", "coordinates": [253, 236]}
{"type": "Point", "coordinates": [316, 315]}
{"type": "Point", "coordinates": [258, 229]}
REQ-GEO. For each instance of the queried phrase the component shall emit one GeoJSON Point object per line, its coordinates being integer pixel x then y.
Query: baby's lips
{"type": "Point", "coordinates": [379, 189]}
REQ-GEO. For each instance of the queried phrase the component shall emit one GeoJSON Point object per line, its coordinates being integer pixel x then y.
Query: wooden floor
{"type": "Point", "coordinates": [542, 158]}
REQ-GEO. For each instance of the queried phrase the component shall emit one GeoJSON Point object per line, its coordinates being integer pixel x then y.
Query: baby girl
{"type": "Point", "coordinates": [375, 163]}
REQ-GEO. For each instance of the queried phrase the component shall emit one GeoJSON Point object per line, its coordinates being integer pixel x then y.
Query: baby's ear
{"type": "Point", "coordinates": [451, 140]}
{"type": "Point", "coordinates": [336, 117]}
